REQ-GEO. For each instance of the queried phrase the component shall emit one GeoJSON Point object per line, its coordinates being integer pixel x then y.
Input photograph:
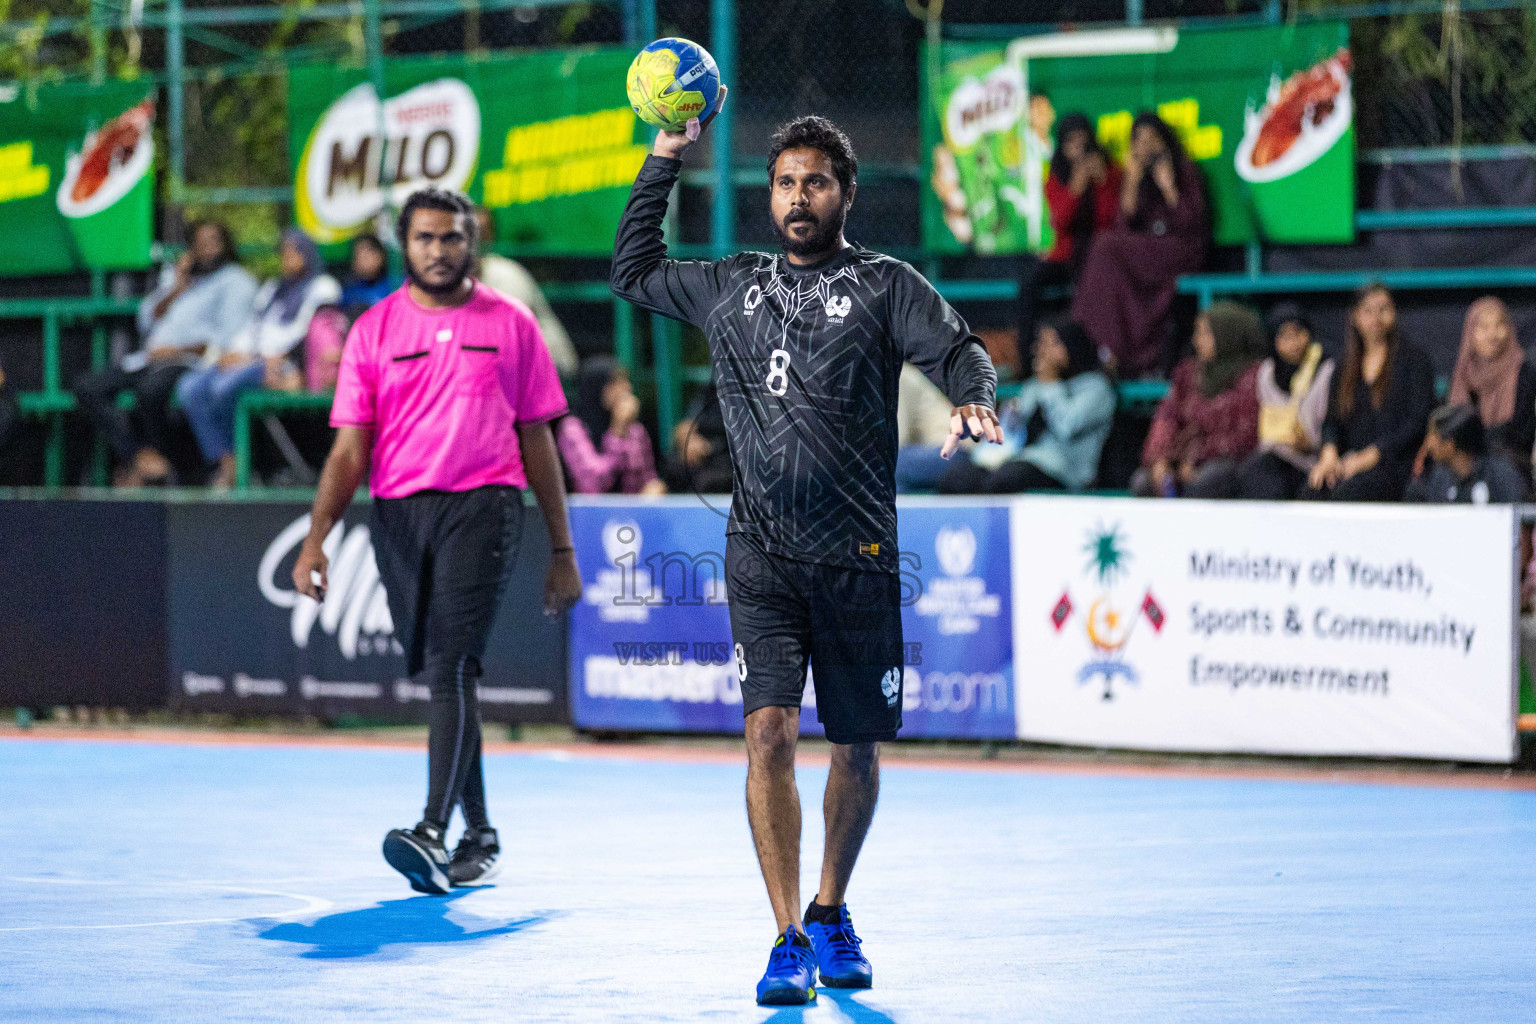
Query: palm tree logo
{"type": "Point", "coordinates": [1109, 624]}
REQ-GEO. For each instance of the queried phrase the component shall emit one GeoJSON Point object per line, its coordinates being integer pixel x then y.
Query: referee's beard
{"type": "Point", "coordinates": [821, 239]}
{"type": "Point", "coordinates": [447, 277]}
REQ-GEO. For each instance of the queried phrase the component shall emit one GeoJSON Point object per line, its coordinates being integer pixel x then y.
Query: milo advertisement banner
{"type": "Point", "coordinates": [76, 178]}
{"type": "Point", "coordinates": [547, 141]}
{"type": "Point", "coordinates": [1265, 112]}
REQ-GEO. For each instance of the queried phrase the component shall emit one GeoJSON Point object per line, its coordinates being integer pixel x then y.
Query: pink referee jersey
{"type": "Point", "coordinates": [444, 391]}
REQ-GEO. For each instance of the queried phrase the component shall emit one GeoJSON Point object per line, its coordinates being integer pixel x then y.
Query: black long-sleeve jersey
{"type": "Point", "coordinates": [806, 361]}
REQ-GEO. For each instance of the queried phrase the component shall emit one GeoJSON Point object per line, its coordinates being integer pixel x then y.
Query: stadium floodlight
{"type": "Point", "coordinates": [1107, 42]}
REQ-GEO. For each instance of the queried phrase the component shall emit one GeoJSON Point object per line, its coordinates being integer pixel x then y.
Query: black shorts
{"type": "Point", "coordinates": [845, 622]}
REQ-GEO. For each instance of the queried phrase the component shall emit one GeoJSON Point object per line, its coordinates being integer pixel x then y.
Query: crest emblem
{"type": "Point", "coordinates": [837, 307]}
{"type": "Point", "coordinates": [890, 685]}
{"type": "Point", "coordinates": [753, 299]}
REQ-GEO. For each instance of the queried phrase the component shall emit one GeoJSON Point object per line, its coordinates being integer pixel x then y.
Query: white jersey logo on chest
{"type": "Point", "coordinates": [445, 335]}
{"type": "Point", "coordinates": [837, 307]}
{"type": "Point", "coordinates": [753, 299]}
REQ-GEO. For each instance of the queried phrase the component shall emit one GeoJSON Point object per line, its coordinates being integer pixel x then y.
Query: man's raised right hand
{"type": "Point", "coordinates": [673, 144]}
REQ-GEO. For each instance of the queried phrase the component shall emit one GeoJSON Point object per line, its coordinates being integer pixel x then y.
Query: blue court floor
{"type": "Point", "coordinates": [157, 883]}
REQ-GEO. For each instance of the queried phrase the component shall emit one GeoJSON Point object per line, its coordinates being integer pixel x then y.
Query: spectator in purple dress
{"type": "Point", "coordinates": [605, 447]}
{"type": "Point", "coordinates": [1131, 273]}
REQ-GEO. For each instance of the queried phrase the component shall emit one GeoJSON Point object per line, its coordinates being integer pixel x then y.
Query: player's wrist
{"type": "Point", "coordinates": [670, 145]}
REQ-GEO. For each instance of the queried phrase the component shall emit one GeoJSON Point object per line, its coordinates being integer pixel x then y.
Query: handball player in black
{"type": "Point", "coordinates": [807, 347]}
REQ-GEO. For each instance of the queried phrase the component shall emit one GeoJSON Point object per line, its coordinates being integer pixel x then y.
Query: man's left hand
{"type": "Point", "coordinates": [971, 421]}
{"type": "Point", "coordinates": [562, 587]}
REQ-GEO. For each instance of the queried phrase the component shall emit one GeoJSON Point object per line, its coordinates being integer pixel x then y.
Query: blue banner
{"type": "Point", "coordinates": [650, 642]}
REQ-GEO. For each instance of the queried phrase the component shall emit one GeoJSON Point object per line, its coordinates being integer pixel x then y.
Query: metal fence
{"type": "Point", "coordinates": [1432, 74]}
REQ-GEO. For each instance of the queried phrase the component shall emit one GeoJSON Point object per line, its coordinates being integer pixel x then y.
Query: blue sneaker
{"type": "Point", "coordinates": [838, 958]}
{"type": "Point", "coordinates": [791, 976]}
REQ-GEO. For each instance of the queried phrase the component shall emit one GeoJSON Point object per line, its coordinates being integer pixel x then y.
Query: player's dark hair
{"type": "Point", "coordinates": [1462, 426]}
{"type": "Point", "coordinates": [431, 198]}
{"type": "Point", "coordinates": [813, 132]}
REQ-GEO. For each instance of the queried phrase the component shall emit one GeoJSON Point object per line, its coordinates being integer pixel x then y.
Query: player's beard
{"type": "Point", "coordinates": [822, 239]}
{"type": "Point", "coordinates": [439, 290]}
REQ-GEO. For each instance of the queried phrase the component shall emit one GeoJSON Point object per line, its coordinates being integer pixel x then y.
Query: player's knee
{"type": "Point", "coordinates": [859, 758]}
{"type": "Point", "coordinates": [451, 674]}
{"type": "Point", "coordinates": [771, 736]}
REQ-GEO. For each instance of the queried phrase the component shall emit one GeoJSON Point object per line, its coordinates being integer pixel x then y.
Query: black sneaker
{"type": "Point", "coordinates": [476, 859]}
{"type": "Point", "coordinates": [420, 856]}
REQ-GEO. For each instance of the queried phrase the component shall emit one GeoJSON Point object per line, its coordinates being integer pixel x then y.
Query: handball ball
{"type": "Point", "coordinates": [671, 81]}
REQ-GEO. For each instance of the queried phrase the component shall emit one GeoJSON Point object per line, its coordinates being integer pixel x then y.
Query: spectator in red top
{"type": "Point", "coordinates": [1131, 271]}
{"type": "Point", "coordinates": [1209, 420]}
{"type": "Point", "coordinates": [605, 447]}
{"type": "Point", "coordinates": [1082, 192]}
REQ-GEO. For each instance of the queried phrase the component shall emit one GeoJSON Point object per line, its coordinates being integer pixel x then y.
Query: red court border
{"type": "Point", "coordinates": [1491, 777]}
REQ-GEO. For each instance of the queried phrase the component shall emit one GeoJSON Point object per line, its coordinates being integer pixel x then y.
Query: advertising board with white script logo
{"type": "Point", "coordinates": [243, 641]}
{"type": "Point", "coordinates": [1266, 628]}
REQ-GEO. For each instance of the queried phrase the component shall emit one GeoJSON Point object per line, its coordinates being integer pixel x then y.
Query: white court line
{"type": "Point", "coordinates": [312, 905]}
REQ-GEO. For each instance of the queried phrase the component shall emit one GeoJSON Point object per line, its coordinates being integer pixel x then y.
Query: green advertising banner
{"type": "Point", "coordinates": [1265, 112]}
{"type": "Point", "coordinates": [76, 178]}
{"type": "Point", "coordinates": [546, 140]}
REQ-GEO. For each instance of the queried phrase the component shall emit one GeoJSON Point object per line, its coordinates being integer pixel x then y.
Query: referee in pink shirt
{"type": "Point", "coordinates": [444, 400]}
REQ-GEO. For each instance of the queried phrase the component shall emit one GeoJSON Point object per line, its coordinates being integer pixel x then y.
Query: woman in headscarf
{"type": "Point", "coordinates": [1082, 193]}
{"type": "Point", "coordinates": [1056, 427]}
{"type": "Point", "coordinates": [1131, 274]}
{"type": "Point", "coordinates": [1293, 402]}
{"type": "Point", "coordinates": [258, 354]}
{"type": "Point", "coordinates": [1493, 374]}
{"type": "Point", "coordinates": [605, 447]}
{"type": "Point", "coordinates": [1209, 420]}
{"type": "Point", "coordinates": [1382, 398]}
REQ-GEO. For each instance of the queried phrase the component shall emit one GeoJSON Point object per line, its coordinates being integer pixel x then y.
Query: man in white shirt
{"type": "Point", "coordinates": [512, 279]}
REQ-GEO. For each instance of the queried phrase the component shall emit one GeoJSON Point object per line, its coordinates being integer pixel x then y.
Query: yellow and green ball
{"type": "Point", "coordinates": [671, 81]}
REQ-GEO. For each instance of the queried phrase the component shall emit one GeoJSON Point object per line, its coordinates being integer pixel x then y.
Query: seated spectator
{"type": "Point", "coordinates": [1059, 422]}
{"type": "Point", "coordinates": [605, 447]}
{"type": "Point", "coordinates": [322, 349]}
{"type": "Point", "coordinates": [1130, 275]}
{"type": "Point", "coordinates": [513, 280]}
{"type": "Point", "coordinates": [1294, 386]}
{"type": "Point", "coordinates": [1082, 191]}
{"type": "Point", "coordinates": [922, 427]}
{"type": "Point", "coordinates": [700, 462]}
{"type": "Point", "coordinates": [1381, 401]}
{"type": "Point", "coordinates": [192, 314]}
{"type": "Point", "coordinates": [1209, 420]}
{"type": "Point", "coordinates": [1465, 470]}
{"type": "Point", "coordinates": [257, 356]}
{"type": "Point", "coordinates": [1493, 375]}
{"type": "Point", "coordinates": [370, 279]}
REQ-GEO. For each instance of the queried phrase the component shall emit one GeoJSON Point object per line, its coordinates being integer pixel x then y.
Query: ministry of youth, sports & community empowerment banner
{"type": "Point", "coordinates": [1265, 112]}
{"type": "Point", "coordinates": [547, 141]}
{"type": "Point", "coordinates": [1266, 628]}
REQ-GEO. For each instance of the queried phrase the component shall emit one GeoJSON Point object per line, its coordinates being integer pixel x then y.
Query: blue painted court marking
{"type": "Point", "coordinates": [193, 883]}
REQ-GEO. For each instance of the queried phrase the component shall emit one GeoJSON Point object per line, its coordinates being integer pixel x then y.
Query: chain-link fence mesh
{"type": "Point", "coordinates": [1456, 74]}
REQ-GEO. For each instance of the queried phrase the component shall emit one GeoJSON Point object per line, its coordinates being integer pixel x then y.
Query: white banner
{"type": "Point", "coordinates": [1295, 628]}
